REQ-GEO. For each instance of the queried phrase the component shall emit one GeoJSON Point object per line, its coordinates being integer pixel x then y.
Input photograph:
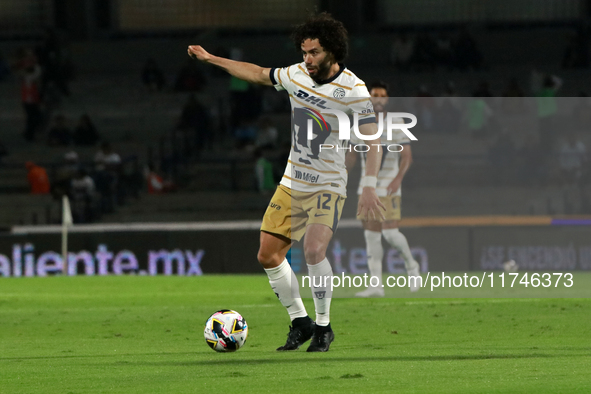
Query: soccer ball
{"type": "Point", "coordinates": [225, 331]}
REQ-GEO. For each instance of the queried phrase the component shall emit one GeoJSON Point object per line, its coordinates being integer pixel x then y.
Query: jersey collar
{"type": "Point", "coordinates": [337, 74]}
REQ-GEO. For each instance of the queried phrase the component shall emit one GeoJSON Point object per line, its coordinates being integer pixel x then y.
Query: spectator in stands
{"type": "Point", "coordinates": [106, 159]}
{"type": "Point", "coordinates": [572, 158]}
{"type": "Point", "coordinates": [38, 179]}
{"type": "Point", "coordinates": [195, 119]}
{"type": "Point", "coordinates": [267, 134]}
{"type": "Point", "coordinates": [64, 174]}
{"type": "Point", "coordinates": [547, 109]}
{"type": "Point", "coordinates": [59, 134]}
{"type": "Point", "coordinates": [156, 184]}
{"type": "Point", "coordinates": [265, 181]}
{"type": "Point", "coordinates": [107, 166]}
{"type": "Point", "coordinates": [85, 133]}
{"type": "Point", "coordinates": [82, 193]}
{"type": "Point", "coordinates": [153, 76]}
{"type": "Point", "coordinates": [479, 115]}
{"type": "Point", "coordinates": [29, 72]}
{"type": "Point", "coordinates": [190, 78]}
{"type": "Point", "coordinates": [245, 134]}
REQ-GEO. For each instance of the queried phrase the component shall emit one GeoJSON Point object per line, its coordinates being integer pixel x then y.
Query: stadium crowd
{"type": "Point", "coordinates": [248, 132]}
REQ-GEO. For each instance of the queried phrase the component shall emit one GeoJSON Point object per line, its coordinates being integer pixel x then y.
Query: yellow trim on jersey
{"type": "Point", "coordinates": [288, 73]}
{"type": "Point", "coordinates": [304, 71]}
{"type": "Point", "coordinates": [279, 76]}
{"type": "Point", "coordinates": [360, 84]}
{"type": "Point", "coordinates": [340, 86]}
{"type": "Point", "coordinates": [309, 183]}
{"type": "Point", "coordinates": [312, 168]}
{"type": "Point", "coordinates": [358, 101]}
{"type": "Point", "coordinates": [347, 72]}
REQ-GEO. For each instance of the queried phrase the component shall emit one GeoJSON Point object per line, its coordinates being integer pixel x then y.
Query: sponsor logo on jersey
{"type": "Point", "coordinates": [306, 176]}
{"type": "Point", "coordinates": [276, 206]}
{"type": "Point", "coordinates": [308, 98]}
{"type": "Point", "coordinates": [368, 108]}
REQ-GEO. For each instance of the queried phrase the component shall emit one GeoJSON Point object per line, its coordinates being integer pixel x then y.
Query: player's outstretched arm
{"type": "Point", "coordinates": [246, 71]}
{"type": "Point", "coordinates": [369, 202]}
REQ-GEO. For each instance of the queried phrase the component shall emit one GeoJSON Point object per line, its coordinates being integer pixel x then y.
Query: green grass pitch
{"type": "Point", "coordinates": [145, 335]}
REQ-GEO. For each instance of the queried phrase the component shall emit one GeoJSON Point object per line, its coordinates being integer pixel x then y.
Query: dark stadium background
{"type": "Point", "coordinates": [196, 129]}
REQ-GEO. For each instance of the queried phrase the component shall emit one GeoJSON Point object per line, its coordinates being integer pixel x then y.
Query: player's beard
{"type": "Point", "coordinates": [378, 107]}
{"type": "Point", "coordinates": [322, 71]}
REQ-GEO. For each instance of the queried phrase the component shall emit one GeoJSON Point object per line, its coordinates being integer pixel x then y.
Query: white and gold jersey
{"type": "Point", "coordinates": [390, 159]}
{"type": "Point", "coordinates": [312, 165]}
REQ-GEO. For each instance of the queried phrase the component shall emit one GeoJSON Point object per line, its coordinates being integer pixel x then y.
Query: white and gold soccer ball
{"type": "Point", "coordinates": [225, 331]}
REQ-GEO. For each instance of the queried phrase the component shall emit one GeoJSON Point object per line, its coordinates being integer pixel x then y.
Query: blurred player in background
{"type": "Point", "coordinates": [393, 168]}
{"type": "Point", "coordinates": [312, 191]}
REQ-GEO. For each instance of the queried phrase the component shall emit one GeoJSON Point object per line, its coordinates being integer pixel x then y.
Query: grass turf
{"type": "Point", "coordinates": [145, 335]}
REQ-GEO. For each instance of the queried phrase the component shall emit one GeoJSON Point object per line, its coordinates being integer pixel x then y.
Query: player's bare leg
{"type": "Point", "coordinates": [272, 251]}
{"type": "Point", "coordinates": [375, 253]}
{"type": "Point", "coordinates": [398, 241]}
{"type": "Point", "coordinates": [315, 244]}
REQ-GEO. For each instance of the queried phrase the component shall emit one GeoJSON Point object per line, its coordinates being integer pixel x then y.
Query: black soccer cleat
{"type": "Point", "coordinates": [299, 333]}
{"type": "Point", "coordinates": [321, 340]}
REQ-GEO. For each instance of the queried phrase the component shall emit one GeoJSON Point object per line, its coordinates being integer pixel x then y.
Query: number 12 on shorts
{"type": "Point", "coordinates": [323, 204]}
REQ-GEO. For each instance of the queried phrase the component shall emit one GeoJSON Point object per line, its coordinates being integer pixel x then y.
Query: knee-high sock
{"type": "Point", "coordinates": [398, 241]}
{"type": "Point", "coordinates": [321, 281]}
{"type": "Point", "coordinates": [375, 253]}
{"type": "Point", "coordinates": [285, 285]}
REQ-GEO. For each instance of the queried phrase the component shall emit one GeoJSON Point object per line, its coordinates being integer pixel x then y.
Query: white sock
{"type": "Point", "coordinates": [375, 253]}
{"type": "Point", "coordinates": [398, 241]}
{"type": "Point", "coordinates": [321, 280]}
{"type": "Point", "coordinates": [285, 285]}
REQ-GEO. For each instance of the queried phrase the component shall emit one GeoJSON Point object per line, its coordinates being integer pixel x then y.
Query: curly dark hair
{"type": "Point", "coordinates": [378, 84]}
{"type": "Point", "coordinates": [331, 35]}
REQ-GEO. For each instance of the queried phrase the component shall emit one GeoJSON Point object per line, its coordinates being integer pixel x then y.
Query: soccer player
{"type": "Point", "coordinates": [393, 168]}
{"type": "Point", "coordinates": [312, 191]}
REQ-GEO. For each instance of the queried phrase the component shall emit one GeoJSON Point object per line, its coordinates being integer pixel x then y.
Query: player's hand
{"type": "Point", "coordinates": [197, 52]}
{"type": "Point", "coordinates": [370, 205]}
{"type": "Point", "coordinates": [394, 186]}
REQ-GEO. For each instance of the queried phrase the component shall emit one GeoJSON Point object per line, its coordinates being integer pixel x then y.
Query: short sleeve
{"type": "Point", "coordinates": [280, 77]}
{"type": "Point", "coordinates": [360, 103]}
